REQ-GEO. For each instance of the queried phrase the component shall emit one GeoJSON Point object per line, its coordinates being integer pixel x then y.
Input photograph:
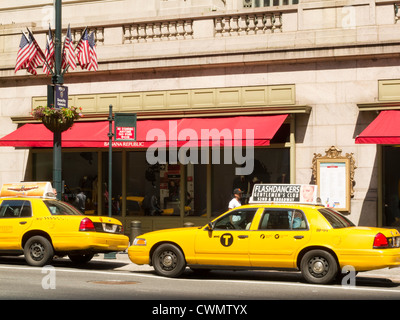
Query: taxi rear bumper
{"type": "Point", "coordinates": [372, 259]}
{"type": "Point", "coordinates": [91, 242]}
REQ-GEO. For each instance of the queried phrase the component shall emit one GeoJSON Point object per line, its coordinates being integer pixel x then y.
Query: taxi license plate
{"type": "Point", "coordinates": [107, 227]}
{"type": "Point", "coordinates": [396, 242]}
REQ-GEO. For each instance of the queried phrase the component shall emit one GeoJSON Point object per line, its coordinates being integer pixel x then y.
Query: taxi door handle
{"type": "Point", "coordinates": [243, 236]}
{"type": "Point", "coordinates": [23, 222]}
{"type": "Point", "coordinates": [298, 237]}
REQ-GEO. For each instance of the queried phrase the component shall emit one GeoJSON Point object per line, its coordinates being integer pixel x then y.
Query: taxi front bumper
{"type": "Point", "coordinates": [139, 254]}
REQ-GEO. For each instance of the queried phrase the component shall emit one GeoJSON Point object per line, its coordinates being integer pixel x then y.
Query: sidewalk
{"type": "Point", "coordinates": [123, 259]}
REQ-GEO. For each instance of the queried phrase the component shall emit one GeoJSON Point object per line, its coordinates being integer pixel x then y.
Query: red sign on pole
{"type": "Point", "coordinates": [125, 133]}
{"type": "Point", "coordinates": [125, 127]}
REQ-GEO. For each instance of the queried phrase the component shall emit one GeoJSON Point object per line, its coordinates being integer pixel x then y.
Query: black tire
{"type": "Point", "coordinates": [38, 251]}
{"type": "Point", "coordinates": [80, 258]}
{"type": "Point", "coordinates": [319, 267]}
{"type": "Point", "coordinates": [168, 261]}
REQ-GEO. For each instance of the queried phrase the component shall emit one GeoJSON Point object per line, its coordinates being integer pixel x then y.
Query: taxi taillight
{"type": "Point", "coordinates": [380, 241]}
{"type": "Point", "coordinates": [86, 225]}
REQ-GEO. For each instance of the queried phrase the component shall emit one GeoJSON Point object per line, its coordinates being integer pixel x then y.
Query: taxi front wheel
{"type": "Point", "coordinates": [319, 267]}
{"type": "Point", "coordinates": [38, 251]}
{"type": "Point", "coordinates": [168, 261]}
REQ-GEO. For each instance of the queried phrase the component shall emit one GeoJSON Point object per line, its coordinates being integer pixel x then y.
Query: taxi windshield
{"type": "Point", "coordinates": [336, 219]}
{"type": "Point", "coordinates": [58, 208]}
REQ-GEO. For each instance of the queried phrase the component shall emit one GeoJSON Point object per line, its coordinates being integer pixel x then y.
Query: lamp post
{"type": "Point", "coordinates": [57, 79]}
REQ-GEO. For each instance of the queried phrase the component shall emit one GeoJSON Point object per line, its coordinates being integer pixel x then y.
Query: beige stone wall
{"type": "Point", "coordinates": [333, 52]}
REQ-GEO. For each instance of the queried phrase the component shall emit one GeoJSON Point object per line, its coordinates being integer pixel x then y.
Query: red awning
{"type": "Point", "coordinates": [385, 129]}
{"type": "Point", "coordinates": [227, 131]}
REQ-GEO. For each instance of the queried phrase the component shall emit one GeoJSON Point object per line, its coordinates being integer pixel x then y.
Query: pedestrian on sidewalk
{"type": "Point", "coordinates": [236, 201]}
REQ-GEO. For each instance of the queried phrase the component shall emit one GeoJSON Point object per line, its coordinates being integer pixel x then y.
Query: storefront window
{"type": "Point", "coordinates": [197, 189]}
{"type": "Point", "coordinates": [271, 165]}
{"type": "Point", "coordinates": [42, 166]}
{"type": "Point", "coordinates": [155, 190]}
{"type": "Point", "coordinates": [152, 190]}
{"type": "Point", "coordinates": [79, 173]}
{"type": "Point", "coordinates": [116, 183]}
{"type": "Point", "coordinates": [391, 186]}
{"type": "Point", "coordinates": [142, 186]}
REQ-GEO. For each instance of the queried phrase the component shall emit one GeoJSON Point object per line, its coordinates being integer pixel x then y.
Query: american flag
{"type": "Point", "coordinates": [69, 56]}
{"type": "Point", "coordinates": [49, 53]}
{"type": "Point", "coordinates": [83, 50]}
{"type": "Point", "coordinates": [29, 55]}
{"type": "Point", "coordinates": [92, 53]}
{"type": "Point", "coordinates": [23, 53]}
{"type": "Point", "coordinates": [37, 56]}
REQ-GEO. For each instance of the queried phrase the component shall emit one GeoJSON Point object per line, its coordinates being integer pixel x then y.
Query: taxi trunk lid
{"type": "Point", "coordinates": [101, 224]}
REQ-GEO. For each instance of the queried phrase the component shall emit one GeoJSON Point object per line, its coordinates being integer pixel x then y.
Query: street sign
{"type": "Point", "coordinates": [61, 96]}
{"type": "Point", "coordinates": [125, 126]}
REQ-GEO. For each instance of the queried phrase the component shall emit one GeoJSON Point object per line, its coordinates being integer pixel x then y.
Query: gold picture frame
{"type": "Point", "coordinates": [334, 175]}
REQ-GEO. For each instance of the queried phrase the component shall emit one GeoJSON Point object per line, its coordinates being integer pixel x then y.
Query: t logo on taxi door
{"type": "Point", "coordinates": [226, 239]}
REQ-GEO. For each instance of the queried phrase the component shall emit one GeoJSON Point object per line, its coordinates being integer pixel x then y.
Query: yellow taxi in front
{"type": "Point", "coordinates": [40, 228]}
{"type": "Point", "coordinates": [316, 240]}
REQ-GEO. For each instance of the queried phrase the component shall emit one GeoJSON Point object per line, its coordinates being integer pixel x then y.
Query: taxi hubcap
{"type": "Point", "coordinates": [168, 260]}
{"type": "Point", "coordinates": [318, 266]}
{"type": "Point", "coordinates": [37, 251]}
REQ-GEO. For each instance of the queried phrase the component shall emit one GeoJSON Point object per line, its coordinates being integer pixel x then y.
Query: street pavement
{"type": "Point", "coordinates": [126, 265]}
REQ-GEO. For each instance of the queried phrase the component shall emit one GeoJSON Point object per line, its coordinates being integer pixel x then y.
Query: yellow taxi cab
{"type": "Point", "coordinates": [35, 224]}
{"type": "Point", "coordinates": [316, 240]}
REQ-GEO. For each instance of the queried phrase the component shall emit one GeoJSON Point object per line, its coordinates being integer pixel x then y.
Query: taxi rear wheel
{"type": "Point", "coordinates": [319, 267]}
{"type": "Point", "coordinates": [168, 261]}
{"type": "Point", "coordinates": [38, 251]}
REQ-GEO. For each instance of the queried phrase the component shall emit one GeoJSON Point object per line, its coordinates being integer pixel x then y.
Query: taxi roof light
{"type": "Point", "coordinates": [380, 241]}
{"type": "Point", "coordinates": [86, 225]}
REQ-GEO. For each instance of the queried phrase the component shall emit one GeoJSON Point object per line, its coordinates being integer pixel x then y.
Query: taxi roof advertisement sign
{"type": "Point", "coordinates": [287, 193]}
{"type": "Point", "coordinates": [26, 189]}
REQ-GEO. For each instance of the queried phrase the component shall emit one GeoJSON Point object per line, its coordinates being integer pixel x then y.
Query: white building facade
{"type": "Point", "coordinates": [329, 67]}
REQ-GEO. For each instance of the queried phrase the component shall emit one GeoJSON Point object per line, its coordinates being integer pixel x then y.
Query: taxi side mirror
{"type": "Point", "coordinates": [210, 226]}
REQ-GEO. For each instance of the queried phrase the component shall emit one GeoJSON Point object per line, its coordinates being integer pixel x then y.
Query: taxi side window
{"type": "Point", "coordinates": [283, 219]}
{"type": "Point", "coordinates": [239, 219]}
{"type": "Point", "coordinates": [15, 209]}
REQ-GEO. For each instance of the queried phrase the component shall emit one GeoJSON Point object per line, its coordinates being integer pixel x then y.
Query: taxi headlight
{"type": "Point", "coordinates": [139, 242]}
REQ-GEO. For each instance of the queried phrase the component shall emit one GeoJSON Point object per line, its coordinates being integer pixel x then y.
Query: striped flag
{"type": "Point", "coordinates": [37, 56]}
{"type": "Point", "coordinates": [49, 54]}
{"type": "Point", "coordinates": [92, 53]}
{"type": "Point", "coordinates": [83, 50]}
{"type": "Point", "coordinates": [23, 53]}
{"type": "Point", "coordinates": [29, 55]}
{"type": "Point", "coordinates": [69, 56]}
